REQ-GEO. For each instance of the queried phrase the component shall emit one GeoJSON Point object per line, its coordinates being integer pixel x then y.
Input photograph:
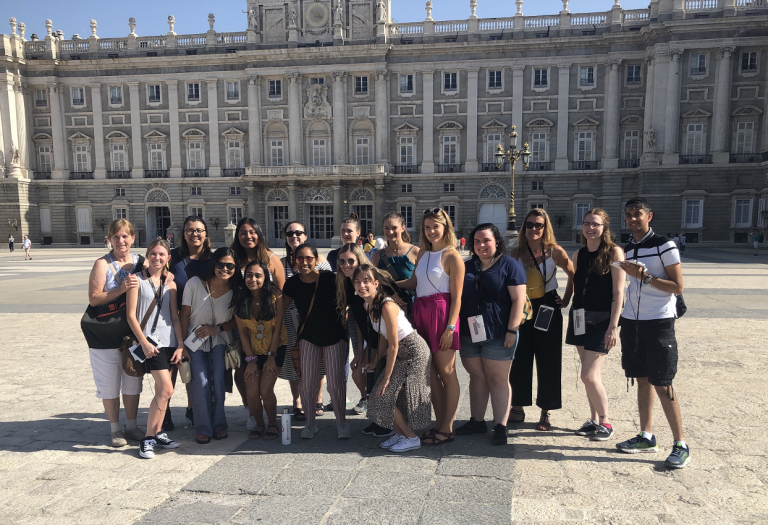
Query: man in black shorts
{"type": "Point", "coordinates": [648, 344]}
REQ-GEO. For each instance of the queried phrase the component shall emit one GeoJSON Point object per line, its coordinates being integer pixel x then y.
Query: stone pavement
{"type": "Point", "coordinates": [56, 467]}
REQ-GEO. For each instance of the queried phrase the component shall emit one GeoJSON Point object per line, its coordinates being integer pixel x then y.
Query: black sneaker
{"type": "Point", "coordinates": [680, 456]}
{"type": "Point", "coordinates": [587, 429]}
{"type": "Point", "coordinates": [602, 433]}
{"type": "Point", "coordinates": [167, 421]}
{"type": "Point", "coordinates": [147, 448]}
{"type": "Point", "coordinates": [162, 441]}
{"type": "Point", "coordinates": [377, 431]}
{"type": "Point", "coordinates": [472, 427]}
{"type": "Point", "coordinates": [499, 435]}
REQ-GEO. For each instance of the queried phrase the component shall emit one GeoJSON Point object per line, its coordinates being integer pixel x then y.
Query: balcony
{"type": "Point", "coordinates": [41, 175]}
{"type": "Point", "coordinates": [629, 163]}
{"type": "Point", "coordinates": [121, 174]}
{"type": "Point", "coordinates": [585, 165]}
{"type": "Point", "coordinates": [540, 166]}
{"type": "Point", "coordinates": [740, 158]}
{"type": "Point", "coordinates": [195, 173]}
{"type": "Point", "coordinates": [695, 71]}
{"type": "Point", "coordinates": [233, 172]}
{"type": "Point", "coordinates": [450, 168]}
{"type": "Point", "coordinates": [695, 159]}
{"type": "Point", "coordinates": [116, 100]}
{"type": "Point", "coordinates": [41, 103]}
{"type": "Point", "coordinates": [155, 174]}
{"type": "Point", "coordinates": [407, 168]}
{"type": "Point", "coordinates": [491, 166]}
{"type": "Point", "coordinates": [80, 175]}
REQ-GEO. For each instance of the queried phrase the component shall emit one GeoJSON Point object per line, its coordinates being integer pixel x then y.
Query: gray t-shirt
{"type": "Point", "coordinates": [163, 334]}
{"type": "Point", "coordinates": [198, 299]}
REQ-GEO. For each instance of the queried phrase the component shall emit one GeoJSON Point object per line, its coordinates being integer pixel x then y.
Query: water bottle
{"type": "Point", "coordinates": [285, 423]}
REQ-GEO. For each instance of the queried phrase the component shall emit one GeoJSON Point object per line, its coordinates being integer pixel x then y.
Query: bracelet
{"type": "Point", "coordinates": [513, 330]}
{"type": "Point", "coordinates": [250, 358]}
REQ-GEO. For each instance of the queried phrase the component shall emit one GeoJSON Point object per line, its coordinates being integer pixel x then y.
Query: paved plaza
{"type": "Point", "coordinates": [56, 466]}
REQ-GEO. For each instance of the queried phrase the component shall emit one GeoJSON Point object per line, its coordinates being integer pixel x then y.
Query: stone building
{"type": "Point", "coordinates": [324, 107]}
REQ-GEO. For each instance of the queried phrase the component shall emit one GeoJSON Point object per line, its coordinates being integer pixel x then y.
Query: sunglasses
{"type": "Point", "coordinates": [432, 210]}
{"type": "Point", "coordinates": [594, 225]}
{"type": "Point", "coordinates": [226, 266]}
{"type": "Point", "coordinates": [534, 225]}
{"type": "Point", "coordinates": [307, 258]}
{"type": "Point", "coordinates": [348, 262]}
{"type": "Point", "coordinates": [191, 231]}
{"type": "Point", "coordinates": [295, 233]}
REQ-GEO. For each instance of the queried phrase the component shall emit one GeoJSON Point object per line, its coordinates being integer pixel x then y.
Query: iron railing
{"type": "Point", "coordinates": [739, 158]}
{"type": "Point", "coordinates": [695, 159]}
{"type": "Point", "coordinates": [119, 174]}
{"type": "Point", "coordinates": [233, 172]}
{"type": "Point", "coordinates": [450, 168]}
{"type": "Point", "coordinates": [41, 175]}
{"type": "Point", "coordinates": [408, 168]}
{"type": "Point", "coordinates": [198, 172]}
{"type": "Point", "coordinates": [629, 163]}
{"type": "Point", "coordinates": [585, 165]}
{"type": "Point", "coordinates": [80, 175]}
{"type": "Point", "coordinates": [156, 174]}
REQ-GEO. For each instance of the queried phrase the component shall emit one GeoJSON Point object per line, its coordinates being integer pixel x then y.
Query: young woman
{"type": "Point", "coordinates": [439, 280]}
{"type": "Point", "coordinates": [399, 257]}
{"type": "Point", "coordinates": [540, 255]}
{"type": "Point", "coordinates": [370, 243]}
{"type": "Point", "coordinates": [349, 232]}
{"type": "Point", "coordinates": [207, 308]}
{"type": "Point", "coordinates": [163, 326]}
{"type": "Point", "coordinates": [295, 235]}
{"type": "Point", "coordinates": [190, 259]}
{"type": "Point", "coordinates": [112, 276]}
{"type": "Point", "coordinates": [320, 334]}
{"type": "Point", "coordinates": [259, 318]}
{"type": "Point", "coordinates": [599, 293]}
{"type": "Point", "coordinates": [491, 307]}
{"type": "Point", "coordinates": [401, 395]}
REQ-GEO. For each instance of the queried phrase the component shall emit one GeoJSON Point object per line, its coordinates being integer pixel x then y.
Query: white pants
{"type": "Point", "coordinates": [109, 376]}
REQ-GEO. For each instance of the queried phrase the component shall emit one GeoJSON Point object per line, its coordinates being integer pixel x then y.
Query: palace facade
{"type": "Point", "coordinates": [325, 107]}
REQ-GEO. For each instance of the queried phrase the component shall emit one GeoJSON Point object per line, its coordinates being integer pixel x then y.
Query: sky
{"type": "Point", "coordinates": [73, 16]}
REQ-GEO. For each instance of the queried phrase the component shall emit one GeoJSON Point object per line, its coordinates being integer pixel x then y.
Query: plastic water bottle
{"type": "Point", "coordinates": [285, 423]}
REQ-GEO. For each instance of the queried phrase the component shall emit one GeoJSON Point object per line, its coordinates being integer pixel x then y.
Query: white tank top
{"type": "Point", "coordinates": [430, 276]}
{"type": "Point", "coordinates": [404, 328]}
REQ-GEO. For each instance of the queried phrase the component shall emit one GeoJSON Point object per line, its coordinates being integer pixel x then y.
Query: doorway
{"type": "Point", "coordinates": [278, 218]}
{"type": "Point", "coordinates": [365, 215]}
{"type": "Point", "coordinates": [158, 221]}
{"type": "Point", "coordinates": [493, 213]}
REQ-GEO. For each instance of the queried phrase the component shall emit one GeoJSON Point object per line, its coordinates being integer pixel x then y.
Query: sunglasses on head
{"type": "Point", "coordinates": [225, 266]}
{"type": "Point", "coordinates": [432, 210]}
{"type": "Point", "coordinates": [348, 262]}
{"type": "Point", "coordinates": [534, 225]}
{"type": "Point", "coordinates": [295, 233]}
{"type": "Point", "coordinates": [303, 258]}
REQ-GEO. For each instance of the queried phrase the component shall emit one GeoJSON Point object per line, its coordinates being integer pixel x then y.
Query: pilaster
{"type": "Point", "coordinates": [23, 128]}
{"type": "Point", "coordinates": [564, 76]}
{"type": "Point", "coordinates": [339, 119]}
{"type": "Point", "coordinates": [672, 122]}
{"type": "Point", "coordinates": [612, 104]}
{"type": "Point", "coordinates": [661, 72]}
{"type": "Point", "coordinates": [471, 164]}
{"type": "Point", "coordinates": [428, 147]}
{"type": "Point", "coordinates": [251, 201]}
{"type": "Point", "coordinates": [294, 118]}
{"type": "Point", "coordinates": [100, 169]}
{"type": "Point", "coordinates": [379, 196]}
{"type": "Point", "coordinates": [649, 138]}
{"type": "Point", "coordinates": [254, 120]}
{"type": "Point", "coordinates": [337, 211]}
{"type": "Point", "coordinates": [517, 102]}
{"type": "Point", "coordinates": [721, 115]}
{"type": "Point", "coordinates": [173, 107]}
{"type": "Point", "coordinates": [382, 117]}
{"type": "Point", "coordinates": [137, 168]}
{"type": "Point", "coordinates": [57, 133]}
{"type": "Point", "coordinates": [293, 202]}
{"type": "Point", "coordinates": [214, 169]}
{"type": "Point", "coordinates": [10, 125]}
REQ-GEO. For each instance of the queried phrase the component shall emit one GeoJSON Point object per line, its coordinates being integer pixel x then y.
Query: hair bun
{"type": "Point", "coordinates": [353, 216]}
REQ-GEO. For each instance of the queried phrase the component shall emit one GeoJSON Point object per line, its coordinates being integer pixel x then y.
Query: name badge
{"type": "Point", "coordinates": [579, 322]}
{"type": "Point", "coordinates": [477, 329]}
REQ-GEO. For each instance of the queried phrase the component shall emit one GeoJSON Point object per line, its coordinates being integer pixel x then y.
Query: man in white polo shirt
{"type": "Point", "coordinates": [648, 344]}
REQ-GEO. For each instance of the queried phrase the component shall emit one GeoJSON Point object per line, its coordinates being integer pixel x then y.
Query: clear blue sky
{"type": "Point", "coordinates": [192, 15]}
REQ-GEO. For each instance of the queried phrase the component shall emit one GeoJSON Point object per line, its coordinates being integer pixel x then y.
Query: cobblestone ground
{"type": "Point", "coordinates": [56, 466]}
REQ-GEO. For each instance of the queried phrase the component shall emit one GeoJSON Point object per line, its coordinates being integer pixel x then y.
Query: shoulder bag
{"type": "Point", "coordinates": [231, 355]}
{"type": "Point", "coordinates": [680, 306]}
{"type": "Point", "coordinates": [295, 352]}
{"type": "Point", "coordinates": [131, 367]}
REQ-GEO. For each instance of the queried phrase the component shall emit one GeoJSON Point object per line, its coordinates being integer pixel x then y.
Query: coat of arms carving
{"type": "Point", "coordinates": [317, 106]}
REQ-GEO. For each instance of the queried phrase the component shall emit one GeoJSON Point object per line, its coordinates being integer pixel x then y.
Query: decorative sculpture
{"type": "Point", "coordinates": [22, 30]}
{"type": "Point", "coordinates": [565, 7]}
{"type": "Point", "coordinates": [339, 14]}
{"type": "Point", "coordinates": [519, 4]}
{"type": "Point", "coordinates": [428, 9]}
{"type": "Point", "coordinates": [49, 26]}
{"type": "Point", "coordinates": [132, 25]}
{"type": "Point", "coordinates": [380, 15]}
{"type": "Point", "coordinates": [171, 24]}
{"type": "Point", "coordinates": [650, 140]}
{"type": "Point", "coordinates": [211, 20]}
{"type": "Point", "coordinates": [473, 8]}
{"type": "Point", "coordinates": [14, 155]}
{"type": "Point", "coordinates": [13, 26]}
{"type": "Point", "coordinates": [93, 27]}
{"type": "Point", "coordinates": [292, 18]}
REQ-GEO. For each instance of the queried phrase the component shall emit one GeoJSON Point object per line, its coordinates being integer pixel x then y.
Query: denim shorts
{"type": "Point", "coordinates": [492, 349]}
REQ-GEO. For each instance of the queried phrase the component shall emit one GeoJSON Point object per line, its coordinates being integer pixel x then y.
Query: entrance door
{"type": "Point", "coordinates": [320, 224]}
{"type": "Point", "coordinates": [365, 214]}
{"type": "Point", "coordinates": [278, 218]}
{"type": "Point", "coordinates": [158, 221]}
{"type": "Point", "coordinates": [494, 213]}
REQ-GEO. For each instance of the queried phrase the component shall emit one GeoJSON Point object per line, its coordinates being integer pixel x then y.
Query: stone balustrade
{"type": "Point", "coordinates": [336, 171]}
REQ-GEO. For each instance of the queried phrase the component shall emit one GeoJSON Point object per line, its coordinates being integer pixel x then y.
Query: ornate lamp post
{"type": "Point", "coordinates": [512, 155]}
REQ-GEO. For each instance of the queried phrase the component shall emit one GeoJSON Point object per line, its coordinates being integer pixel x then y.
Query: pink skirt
{"type": "Point", "coordinates": [430, 317]}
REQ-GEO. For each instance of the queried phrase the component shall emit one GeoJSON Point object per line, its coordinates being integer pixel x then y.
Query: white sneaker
{"type": "Point", "coordinates": [251, 423]}
{"type": "Point", "coordinates": [361, 406]}
{"type": "Point", "coordinates": [393, 439]}
{"type": "Point", "coordinates": [309, 432]}
{"type": "Point", "coordinates": [147, 448]}
{"type": "Point", "coordinates": [344, 431]}
{"type": "Point", "coordinates": [406, 444]}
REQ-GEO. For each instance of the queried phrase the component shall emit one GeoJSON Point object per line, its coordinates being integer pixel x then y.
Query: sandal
{"type": "Point", "coordinates": [271, 435]}
{"type": "Point", "coordinates": [298, 414]}
{"type": "Point", "coordinates": [544, 425]}
{"type": "Point", "coordinates": [319, 410]}
{"type": "Point", "coordinates": [428, 434]}
{"type": "Point", "coordinates": [202, 439]}
{"type": "Point", "coordinates": [220, 434]}
{"type": "Point", "coordinates": [433, 440]}
{"type": "Point", "coordinates": [519, 416]}
{"type": "Point", "coordinates": [256, 433]}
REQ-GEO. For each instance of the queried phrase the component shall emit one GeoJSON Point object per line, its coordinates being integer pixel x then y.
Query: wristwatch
{"type": "Point", "coordinates": [451, 327]}
{"type": "Point", "coordinates": [271, 353]}
{"type": "Point", "coordinates": [647, 278]}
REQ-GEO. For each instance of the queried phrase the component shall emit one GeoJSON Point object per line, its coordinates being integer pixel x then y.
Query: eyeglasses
{"type": "Point", "coordinates": [226, 266]}
{"type": "Point", "coordinates": [347, 262]}
{"type": "Point", "coordinates": [308, 259]}
{"type": "Point", "coordinates": [193, 231]}
{"type": "Point", "coordinates": [295, 233]}
{"type": "Point", "coordinates": [594, 225]}
{"type": "Point", "coordinates": [432, 210]}
{"type": "Point", "coordinates": [534, 225]}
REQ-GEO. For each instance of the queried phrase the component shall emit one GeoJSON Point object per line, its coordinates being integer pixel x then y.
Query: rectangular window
{"type": "Point", "coordinates": [78, 96]}
{"type": "Point", "coordinates": [492, 140]}
{"type": "Point", "coordinates": [276, 153]}
{"type": "Point", "coordinates": [540, 78]}
{"type": "Point", "coordinates": [233, 90]}
{"type": "Point", "coordinates": [585, 147]}
{"type": "Point", "coordinates": [156, 157]}
{"type": "Point", "coordinates": [694, 139]}
{"type": "Point", "coordinates": [450, 209]}
{"type": "Point", "coordinates": [121, 213]}
{"type": "Point", "coordinates": [581, 209]}
{"type": "Point", "coordinates": [539, 205]}
{"type": "Point", "coordinates": [631, 144]}
{"type": "Point", "coordinates": [745, 137]}
{"type": "Point", "coordinates": [749, 61]}
{"type": "Point", "coordinates": [318, 80]}
{"type": "Point", "coordinates": [319, 152]}
{"type": "Point", "coordinates": [234, 190]}
{"type": "Point", "coordinates": [633, 74]}
{"type": "Point", "coordinates": [449, 82]}
{"type": "Point", "coordinates": [361, 85]}
{"type": "Point", "coordinates": [235, 214]}
{"type": "Point", "coordinates": [362, 152]}
{"type": "Point", "coordinates": [449, 187]}
{"type": "Point", "coordinates": [118, 158]}
{"type": "Point", "coordinates": [743, 213]}
{"type": "Point", "coordinates": [406, 151]}
{"type": "Point", "coordinates": [537, 185]}
{"type": "Point", "coordinates": [539, 147]}
{"type": "Point", "coordinates": [494, 80]}
{"type": "Point", "coordinates": [154, 93]}
{"type": "Point", "coordinates": [407, 213]}
{"type": "Point", "coordinates": [275, 88]}
{"type": "Point", "coordinates": [365, 215]}
{"type": "Point", "coordinates": [406, 83]}
{"type": "Point", "coordinates": [587, 76]}
{"type": "Point", "coordinates": [693, 213]}
{"type": "Point", "coordinates": [41, 98]}
{"type": "Point", "coordinates": [195, 157]}
{"type": "Point", "coordinates": [450, 149]}
{"type": "Point", "coordinates": [196, 212]}
{"type": "Point", "coordinates": [321, 222]}
{"type": "Point", "coordinates": [119, 192]}
{"type": "Point", "coordinates": [196, 191]}
{"type": "Point", "coordinates": [406, 188]}
{"type": "Point", "coordinates": [234, 154]}
{"type": "Point", "coordinates": [193, 92]}
{"type": "Point", "coordinates": [82, 159]}
{"type": "Point", "coordinates": [44, 158]}
{"type": "Point", "coordinates": [698, 64]}
{"type": "Point", "coordinates": [115, 95]}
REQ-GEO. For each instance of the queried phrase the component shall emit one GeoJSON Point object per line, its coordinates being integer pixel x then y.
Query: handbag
{"type": "Point", "coordinates": [536, 280]}
{"type": "Point", "coordinates": [104, 326]}
{"type": "Point", "coordinates": [131, 367]}
{"type": "Point", "coordinates": [231, 354]}
{"type": "Point", "coordinates": [295, 352]}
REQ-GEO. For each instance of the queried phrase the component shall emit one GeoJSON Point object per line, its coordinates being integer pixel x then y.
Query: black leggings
{"type": "Point", "coordinates": [547, 348]}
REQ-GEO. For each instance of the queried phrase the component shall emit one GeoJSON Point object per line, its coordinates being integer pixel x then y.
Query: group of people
{"type": "Point", "coordinates": [26, 245]}
{"type": "Point", "coordinates": [405, 312]}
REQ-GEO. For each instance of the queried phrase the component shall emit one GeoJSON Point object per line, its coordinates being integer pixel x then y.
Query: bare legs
{"type": "Point", "coordinates": [260, 389]}
{"type": "Point", "coordinates": [671, 407]}
{"type": "Point", "coordinates": [401, 425]}
{"type": "Point", "coordinates": [591, 365]}
{"type": "Point", "coordinates": [112, 407]}
{"type": "Point", "coordinates": [486, 377]}
{"type": "Point", "coordinates": [445, 389]}
{"type": "Point", "coordinates": [159, 404]}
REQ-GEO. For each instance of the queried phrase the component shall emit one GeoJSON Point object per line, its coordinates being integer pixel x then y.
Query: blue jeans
{"type": "Point", "coordinates": [208, 378]}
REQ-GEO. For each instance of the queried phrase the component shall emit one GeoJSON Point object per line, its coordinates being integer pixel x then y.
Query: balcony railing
{"type": "Point", "coordinates": [491, 166]}
{"type": "Point", "coordinates": [695, 159]}
{"type": "Point", "coordinates": [41, 103]}
{"type": "Point", "coordinates": [233, 172]}
{"type": "Point", "coordinates": [116, 100]}
{"type": "Point", "coordinates": [585, 165]}
{"type": "Point", "coordinates": [408, 168]}
{"type": "Point", "coordinates": [740, 158]}
{"type": "Point", "coordinates": [41, 175]}
{"type": "Point", "coordinates": [80, 175]}
{"type": "Point", "coordinates": [540, 166]}
{"type": "Point", "coordinates": [450, 168]}
{"type": "Point", "coordinates": [629, 163]}
{"type": "Point", "coordinates": [155, 174]}
{"type": "Point", "coordinates": [698, 71]}
{"type": "Point", "coordinates": [196, 173]}
{"type": "Point", "coordinates": [119, 174]}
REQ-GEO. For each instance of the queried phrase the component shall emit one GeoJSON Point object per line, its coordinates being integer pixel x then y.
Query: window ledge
{"type": "Point", "coordinates": [193, 102]}
{"type": "Point", "coordinates": [541, 89]}
{"type": "Point", "coordinates": [232, 101]}
{"type": "Point", "coordinates": [495, 91]}
{"type": "Point", "coordinates": [450, 93]}
{"type": "Point", "coordinates": [360, 95]}
{"type": "Point", "coordinates": [407, 94]}
{"type": "Point", "coordinates": [587, 88]}
{"type": "Point", "coordinates": [154, 104]}
{"type": "Point", "coordinates": [748, 74]}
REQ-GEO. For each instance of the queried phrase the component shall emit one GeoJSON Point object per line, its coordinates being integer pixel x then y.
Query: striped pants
{"type": "Point", "coordinates": [335, 358]}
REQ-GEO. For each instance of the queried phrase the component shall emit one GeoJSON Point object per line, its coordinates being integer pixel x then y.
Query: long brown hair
{"type": "Point", "coordinates": [602, 264]}
{"type": "Point", "coordinates": [205, 253]}
{"type": "Point", "coordinates": [385, 281]}
{"type": "Point", "coordinates": [344, 285]}
{"type": "Point", "coordinates": [441, 217]}
{"type": "Point", "coordinates": [547, 238]}
{"type": "Point", "coordinates": [288, 250]}
{"type": "Point", "coordinates": [404, 235]}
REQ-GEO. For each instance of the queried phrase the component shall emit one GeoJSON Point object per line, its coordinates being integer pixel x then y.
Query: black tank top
{"type": "Point", "coordinates": [597, 296]}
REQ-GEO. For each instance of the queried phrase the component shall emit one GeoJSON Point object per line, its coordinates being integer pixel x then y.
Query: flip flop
{"type": "Point", "coordinates": [202, 441]}
{"type": "Point", "coordinates": [220, 434]}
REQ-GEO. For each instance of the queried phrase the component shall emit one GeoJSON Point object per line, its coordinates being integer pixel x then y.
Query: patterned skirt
{"type": "Point", "coordinates": [408, 387]}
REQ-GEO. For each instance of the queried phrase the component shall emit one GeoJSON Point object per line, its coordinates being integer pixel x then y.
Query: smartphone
{"type": "Point", "coordinates": [544, 318]}
{"type": "Point", "coordinates": [138, 353]}
{"type": "Point", "coordinates": [370, 381]}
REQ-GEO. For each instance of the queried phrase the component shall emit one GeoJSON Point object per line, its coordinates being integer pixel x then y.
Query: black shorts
{"type": "Point", "coordinates": [649, 349]}
{"type": "Point", "coordinates": [279, 358]}
{"type": "Point", "coordinates": [162, 361]}
{"type": "Point", "coordinates": [593, 338]}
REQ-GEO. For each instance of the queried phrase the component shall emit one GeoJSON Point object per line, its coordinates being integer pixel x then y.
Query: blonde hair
{"type": "Point", "coordinates": [160, 242]}
{"type": "Point", "coordinates": [547, 237]}
{"type": "Point", "coordinates": [342, 283]}
{"type": "Point", "coordinates": [602, 264]}
{"type": "Point", "coordinates": [440, 217]}
{"type": "Point", "coordinates": [121, 224]}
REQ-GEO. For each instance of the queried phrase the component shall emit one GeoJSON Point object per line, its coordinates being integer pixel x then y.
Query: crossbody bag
{"type": "Point", "coordinates": [131, 367]}
{"type": "Point", "coordinates": [295, 352]}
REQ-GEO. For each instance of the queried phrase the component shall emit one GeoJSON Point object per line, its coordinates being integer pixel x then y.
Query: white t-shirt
{"type": "Point", "coordinates": [197, 298]}
{"type": "Point", "coordinates": [27, 243]}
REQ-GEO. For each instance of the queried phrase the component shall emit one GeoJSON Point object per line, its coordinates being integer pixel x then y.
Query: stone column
{"type": "Point", "coordinates": [661, 70]}
{"type": "Point", "coordinates": [9, 124]}
{"type": "Point", "coordinates": [173, 106]}
{"type": "Point", "coordinates": [471, 164]}
{"type": "Point", "coordinates": [564, 72]}
{"type": "Point", "coordinates": [22, 123]}
{"type": "Point", "coordinates": [517, 105]}
{"type": "Point", "coordinates": [100, 171]}
{"type": "Point", "coordinates": [57, 133]}
{"type": "Point", "coordinates": [337, 211]}
{"type": "Point", "coordinates": [137, 168]}
{"type": "Point", "coordinates": [293, 203]}
{"type": "Point", "coordinates": [214, 166]}
{"type": "Point", "coordinates": [339, 119]}
{"type": "Point", "coordinates": [764, 141]}
{"type": "Point", "coordinates": [251, 201]}
{"type": "Point", "coordinates": [379, 196]}
{"type": "Point", "coordinates": [721, 116]}
{"type": "Point", "coordinates": [382, 117]}
{"type": "Point", "coordinates": [649, 141]}
{"type": "Point", "coordinates": [612, 106]}
{"type": "Point", "coordinates": [294, 118]}
{"type": "Point", "coordinates": [672, 123]}
{"type": "Point", "coordinates": [254, 121]}
{"type": "Point", "coordinates": [428, 147]}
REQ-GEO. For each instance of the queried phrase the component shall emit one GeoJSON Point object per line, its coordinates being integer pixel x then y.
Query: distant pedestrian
{"type": "Point", "coordinates": [10, 242]}
{"type": "Point", "coordinates": [27, 244]}
{"type": "Point", "coordinates": [682, 242]}
{"type": "Point", "coordinates": [462, 244]}
{"type": "Point", "coordinates": [370, 243]}
{"type": "Point", "coordinates": [676, 240]}
{"type": "Point", "coordinates": [106, 243]}
{"type": "Point", "coordinates": [755, 241]}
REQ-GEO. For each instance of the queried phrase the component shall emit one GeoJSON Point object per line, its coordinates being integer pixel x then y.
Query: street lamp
{"type": "Point", "coordinates": [512, 155]}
